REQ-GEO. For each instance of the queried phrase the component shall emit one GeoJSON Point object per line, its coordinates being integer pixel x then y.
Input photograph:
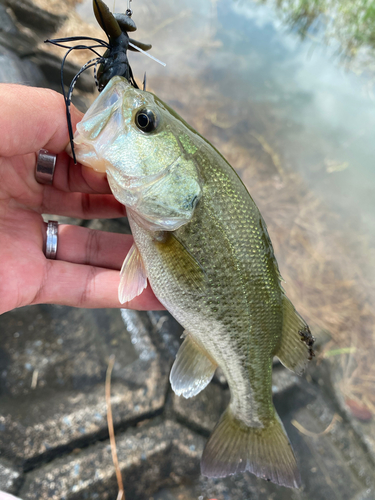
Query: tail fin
{"type": "Point", "coordinates": [266, 452]}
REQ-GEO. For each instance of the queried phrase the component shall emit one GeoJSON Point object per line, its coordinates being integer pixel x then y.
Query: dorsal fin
{"type": "Point", "coordinates": [295, 349]}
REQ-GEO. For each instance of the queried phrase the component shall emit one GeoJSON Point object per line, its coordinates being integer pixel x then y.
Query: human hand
{"type": "Point", "coordinates": [86, 270]}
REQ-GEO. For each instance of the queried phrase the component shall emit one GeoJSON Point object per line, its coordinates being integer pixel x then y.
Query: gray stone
{"type": "Point", "coordinates": [155, 455]}
{"type": "Point", "coordinates": [19, 43]}
{"type": "Point", "coordinates": [365, 495]}
{"type": "Point", "coordinates": [10, 477]}
{"type": "Point", "coordinates": [151, 455]}
{"type": "Point", "coordinates": [283, 380]}
{"type": "Point", "coordinates": [239, 487]}
{"type": "Point", "coordinates": [333, 462]}
{"type": "Point", "coordinates": [29, 14]}
{"type": "Point", "coordinates": [50, 65]}
{"type": "Point", "coordinates": [6, 22]}
{"type": "Point", "coordinates": [332, 375]}
{"type": "Point", "coordinates": [13, 69]}
{"type": "Point", "coordinates": [10, 35]}
{"type": "Point", "coordinates": [203, 411]}
{"type": "Point", "coordinates": [53, 361]}
{"type": "Point", "coordinates": [165, 333]}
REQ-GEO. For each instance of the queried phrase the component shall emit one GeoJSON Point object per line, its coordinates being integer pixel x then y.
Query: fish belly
{"type": "Point", "coordinates": [215, 311]}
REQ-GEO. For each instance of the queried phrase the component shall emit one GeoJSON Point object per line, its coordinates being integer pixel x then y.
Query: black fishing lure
{"type": "Point", "coordinates": [114, 61]}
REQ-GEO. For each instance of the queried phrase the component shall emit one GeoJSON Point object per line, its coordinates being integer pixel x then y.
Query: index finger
{"type": "Point", "coordinates": [31, 119]}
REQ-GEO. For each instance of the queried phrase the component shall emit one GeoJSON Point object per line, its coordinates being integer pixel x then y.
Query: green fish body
{"type": "Point", "coordinates": [203, 245]}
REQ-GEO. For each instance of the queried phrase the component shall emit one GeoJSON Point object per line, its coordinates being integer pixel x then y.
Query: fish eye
{"type": "Point", "coordinates": [146, 120]}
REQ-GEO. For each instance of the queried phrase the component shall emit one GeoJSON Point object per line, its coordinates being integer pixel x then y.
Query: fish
{"type": "Point", "coordinates": [203, 247]}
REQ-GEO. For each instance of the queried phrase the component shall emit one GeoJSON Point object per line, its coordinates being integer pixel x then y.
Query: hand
{"type": "Point", "coordinates": [86, 270]}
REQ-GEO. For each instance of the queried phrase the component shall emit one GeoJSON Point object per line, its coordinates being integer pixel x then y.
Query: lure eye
{"type": "Point", "coordinates": [146, 120]}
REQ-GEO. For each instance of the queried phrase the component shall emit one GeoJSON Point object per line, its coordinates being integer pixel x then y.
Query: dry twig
{"type": "Point", "coordinates": [121, 493]}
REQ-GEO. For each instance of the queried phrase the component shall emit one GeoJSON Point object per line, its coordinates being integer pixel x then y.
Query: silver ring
{"type": "Point", "coordinates": [51, 241]}
{"type": "Point", "coordinates": [45, 167]}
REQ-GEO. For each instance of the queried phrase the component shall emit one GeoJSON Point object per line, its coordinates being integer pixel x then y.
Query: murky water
{"type": "Point", "coordinates": [243, 50]}
{"type": "Point", "coordinates": [274, 102]}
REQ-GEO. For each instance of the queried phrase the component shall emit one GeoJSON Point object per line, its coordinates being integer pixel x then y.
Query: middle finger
{"type": "Point", "coordinates": [80, 205]}
{"type": "Point", "coordinates": [81, 245]}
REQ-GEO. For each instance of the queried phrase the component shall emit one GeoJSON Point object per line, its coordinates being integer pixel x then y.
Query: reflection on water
{"type": "Point", "coordinates": [348, 25]}
{"type": "Point", "coordinates": [244, 52]}
{"type": "Point", "coordinates": [298, 126]}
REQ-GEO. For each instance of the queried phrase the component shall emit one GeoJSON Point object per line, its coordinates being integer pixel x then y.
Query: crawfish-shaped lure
{"type": "Point", "coordinates": [114, 61]}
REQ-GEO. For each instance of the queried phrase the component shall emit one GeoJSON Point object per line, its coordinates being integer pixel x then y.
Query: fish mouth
{"type": "Point", "coordinates": [108, 115]}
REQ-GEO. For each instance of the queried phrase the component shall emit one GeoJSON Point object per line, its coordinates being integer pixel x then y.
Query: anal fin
{"type": "Point", "coordinates": [295, 349]}
{"type": "Point", "coordinates": [192, 370]}
{"type": "Point", "coordinates": [133, 277]}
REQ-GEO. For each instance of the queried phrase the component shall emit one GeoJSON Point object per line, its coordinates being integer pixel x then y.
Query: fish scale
{"type": "Point", "coordinates": [233, 317]}
{"type": "Point", "coordinates": [203, 245]}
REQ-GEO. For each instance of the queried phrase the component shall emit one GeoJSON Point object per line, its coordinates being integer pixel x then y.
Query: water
{"type": "Point", "coordinates": [241, 74]}
{"type": "Point", "coordinates": [243, 49]}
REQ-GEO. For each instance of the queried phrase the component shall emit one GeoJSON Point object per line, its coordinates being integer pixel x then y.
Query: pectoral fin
{"type": "Point", "coordinates": [182, 263]}
{"type": "Point", "coordinates": [296, 340]}
{"type": "Point", "coordinates": [192, 370]}
{"type": "Point", "coordinates": [133, 277]}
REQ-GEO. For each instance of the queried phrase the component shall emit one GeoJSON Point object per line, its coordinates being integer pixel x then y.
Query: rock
{"type": "Point", "coordinates": [6, 22]}
{"type": "Point", "coordinates": [13, 69]}
{"type": "Point", "coordinates": [329, 375]}
{"type": "Point", "coordinates": [165, 333]}
{"type": "Point", "coordinates": [283, 379]}
{"type": "Point", "coordinates": [29, 14]}
{"type": "Point", "coordinates": [149, 456]}
{"type": "Point", "coordinates": [53, 361]}
{"type": "Point", "coordinates": [10, 477]}
{"type": "Point", "coordinates": [50, 65]}
{"type": "Point", "coordinates": [333, 462]}
{"type": "Point", "coordinates": [203, 411]}
{"type": "Point", "coordinates": [10, 35]}
{"type": "Point", "coordinates": [238, 487]}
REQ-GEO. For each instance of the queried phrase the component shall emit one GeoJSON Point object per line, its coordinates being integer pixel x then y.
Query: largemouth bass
{"type": "Point", "coordinates": [203, 245]}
